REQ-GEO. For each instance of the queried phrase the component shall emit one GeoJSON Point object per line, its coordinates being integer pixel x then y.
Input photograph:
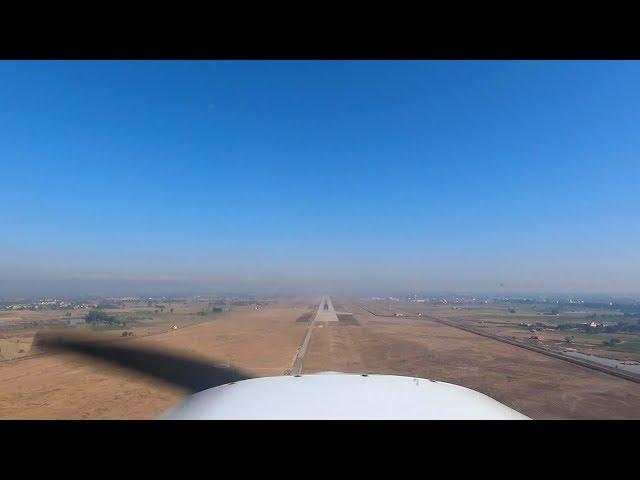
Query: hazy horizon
{"type": "Point", "coordinates": [105, 285]}
{"type": "Point", "coordinates": [311, 177]}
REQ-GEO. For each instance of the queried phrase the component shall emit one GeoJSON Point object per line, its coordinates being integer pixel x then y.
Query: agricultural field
{"type": "Point", "coordinates": [18, 328]}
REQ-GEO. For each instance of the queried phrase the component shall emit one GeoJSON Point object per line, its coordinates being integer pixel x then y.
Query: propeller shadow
{"type": "Point", "coordinates": [191, 374]}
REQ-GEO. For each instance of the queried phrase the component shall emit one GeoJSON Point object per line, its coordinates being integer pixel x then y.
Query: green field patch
{"type": "Point", "coordinates": [101, 327]}
{"type": "Point", "coordinates": [136, 317]}
{"type": "Point", "coordinates": [630, 347]}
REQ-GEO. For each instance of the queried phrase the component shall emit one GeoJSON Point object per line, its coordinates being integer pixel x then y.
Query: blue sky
{"type": "Point", "coordinates": [310, 176]}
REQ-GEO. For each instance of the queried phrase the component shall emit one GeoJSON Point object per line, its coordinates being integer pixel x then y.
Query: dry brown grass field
{"type": "Point", "coordinates": [264, 342]}
{"type": "Point", "coordinates": [60, 386]}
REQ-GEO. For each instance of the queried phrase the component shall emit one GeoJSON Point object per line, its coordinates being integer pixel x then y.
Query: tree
{"type": "Point", "coordinates": [96, 316]}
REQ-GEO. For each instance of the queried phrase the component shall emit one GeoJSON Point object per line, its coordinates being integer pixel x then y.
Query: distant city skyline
{"type": "Point", "coordinates": [306, 177]}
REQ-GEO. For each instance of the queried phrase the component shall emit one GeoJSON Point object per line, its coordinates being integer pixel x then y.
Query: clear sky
{"type": "Point", "coordinates": [332, 176]}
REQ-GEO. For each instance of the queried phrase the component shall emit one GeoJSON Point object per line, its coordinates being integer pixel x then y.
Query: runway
{"type": "Point", "coordinates": [325, 313]}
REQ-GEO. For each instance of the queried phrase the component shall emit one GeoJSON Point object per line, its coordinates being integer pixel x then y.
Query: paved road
{"type": "Point", "coordinates": [325, 313]}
